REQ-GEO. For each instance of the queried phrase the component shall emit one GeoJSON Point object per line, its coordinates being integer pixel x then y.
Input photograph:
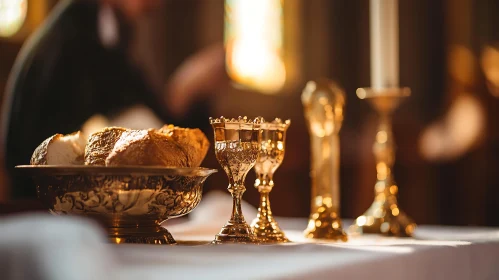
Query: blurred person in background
{"type": "Point", "coordinates": [77, 65]}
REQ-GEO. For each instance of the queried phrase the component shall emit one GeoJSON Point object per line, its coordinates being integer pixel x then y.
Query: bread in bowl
{"type": "Point", "coordinates": [169, 146]}
{"type": "Point", "coordinates": [101, 143]}
{"type": "Point", "coordinates": [60, 150]}
{"type": "Point", "coordinates": [147, 147]}
{"type": "Point", "coordinates": [192, 140]}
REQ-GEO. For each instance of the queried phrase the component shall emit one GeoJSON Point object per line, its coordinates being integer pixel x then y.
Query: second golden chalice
{"type": "Point", "coordinates": [236, 148]}
{"type": "Point", "coordinates": [272, 146]}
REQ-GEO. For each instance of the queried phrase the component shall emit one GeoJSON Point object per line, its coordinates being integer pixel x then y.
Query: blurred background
{"type": "Point", "coordinates": [447, 133]}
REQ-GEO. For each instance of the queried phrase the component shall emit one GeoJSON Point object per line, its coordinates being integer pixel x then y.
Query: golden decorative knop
{"type": "Point", "coordinates": [237, 145]}
{"type": "Point", "coordinates": [272, 148]}
{"type": "Point", "coordinates": [323, 103]}
{"type": "Point", "coordinates": [384, 216]}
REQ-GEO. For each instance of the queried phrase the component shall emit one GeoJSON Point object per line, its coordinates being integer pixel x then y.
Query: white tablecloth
{"type": "Point", "coordinates": [445, 253]}
{"type": "Point", "coordinates": [45, 247]}
{"type": "Point", "coordinates": [436, 252]}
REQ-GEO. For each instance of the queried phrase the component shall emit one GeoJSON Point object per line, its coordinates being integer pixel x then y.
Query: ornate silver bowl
{"type": "Point", "coordinates": [130, 202]}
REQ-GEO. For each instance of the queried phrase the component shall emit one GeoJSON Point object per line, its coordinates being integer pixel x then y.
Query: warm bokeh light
{"type": "Point", "coordinates": [253, 38]}
{"type": "Point", "coordinates": [462, 65]}
{"type": "Point", "coordinates": [490, 67]}
{"type": "Point", "coordinates": [457, 132]}
{"type": "Point", "coordinates": [12, 16]}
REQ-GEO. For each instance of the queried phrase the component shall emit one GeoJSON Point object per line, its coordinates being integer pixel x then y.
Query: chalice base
{"type": "Point", "coordinates": [381, 220]}
{"type": "Point", "coordinates": [235, 233]}
{"type": "Point", "coordinates": [141, 235]}
{"type": "Point", "coordinates": [325, 225]}
{"type": "Point", "coordinates": [268, 231]}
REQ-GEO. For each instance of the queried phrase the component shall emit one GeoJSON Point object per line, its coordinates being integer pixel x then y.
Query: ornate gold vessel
{"type": "Point", "coordinates": [130, 202]}
{"type": "Point", "coordinates": [271, 155]}
{"type": "Point", "coordinates": [236, 148]}
{"type": "Point", "coordinates": [384, 216]}
{"type": "Point", "coordinates": [323, 103]}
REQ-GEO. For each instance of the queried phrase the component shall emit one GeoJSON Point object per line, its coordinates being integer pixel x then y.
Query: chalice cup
{"type": "Point", "coordinates": [236, 148]}
{"type": "Point", "coordinates": [272, 147]}
{"type": "Point", "coordinates": [384, 216]}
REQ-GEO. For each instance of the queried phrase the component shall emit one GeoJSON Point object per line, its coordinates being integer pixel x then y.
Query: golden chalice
{"type": "Point", "coordinates": [236, 148]}
{"type": "Point", "coordinates": [272, 146]}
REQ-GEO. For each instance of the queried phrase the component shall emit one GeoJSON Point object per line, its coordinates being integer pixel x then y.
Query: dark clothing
{"type": "Point", "coordinates": [62, 76]}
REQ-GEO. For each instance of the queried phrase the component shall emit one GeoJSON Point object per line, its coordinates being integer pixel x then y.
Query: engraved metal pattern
{"type": "Point", "coordinates": [130, 203]}
{"type": "Point", "coordinates": [323, 103]}
{"type": "Point", "coordinates": [236, 149]}
{"type": "Point", "coordinates": [271, 155]}
{"type": "Point", "coordinates": [384, 216]}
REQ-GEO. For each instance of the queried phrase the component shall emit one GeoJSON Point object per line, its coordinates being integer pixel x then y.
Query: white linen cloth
{"type": "Point", "coordinates": [53, 248]}
{"type": "Point", "coordinates": [436, 252]}
{"type": "Point", "coordinates": [41, 247]}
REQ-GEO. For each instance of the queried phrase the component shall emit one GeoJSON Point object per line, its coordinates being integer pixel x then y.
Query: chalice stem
{"type": "Point", "coordinates": [264, 211]}
{"type": "Point", "coordinates": [237, 213]}
{"type": "Point", "coordinates": [264, 225]}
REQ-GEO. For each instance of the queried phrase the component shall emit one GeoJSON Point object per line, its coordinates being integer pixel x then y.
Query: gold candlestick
{"type": "Point", "coordinates": [323, 103]}
{"type": "Point", "coordinates": [272, 148]}
{"type": "Point", "coordinates": [384, 216]}
{"type": "Point", "coordinates": [237, 144]}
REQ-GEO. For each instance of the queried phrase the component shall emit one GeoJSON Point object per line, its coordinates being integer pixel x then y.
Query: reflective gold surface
{"type": "Point", "coordinates": [384, 216]}
{"type": "Point", "coordinates": [236, 148]}
{"type": "Point", "coordinates": [323, 103]}
{"type": "Point", "coordinates": [130, 202]}
{"type": "Point", "coordinates": [272, 149]}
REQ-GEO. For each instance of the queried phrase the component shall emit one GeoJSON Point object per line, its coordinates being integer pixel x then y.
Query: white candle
{"type": "Point", "coordinates": [384, 43]}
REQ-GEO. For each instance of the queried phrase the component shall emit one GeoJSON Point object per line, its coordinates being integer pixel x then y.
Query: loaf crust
{"type": "Point", "coordinates": [101, 143]}
{"type": "Point", "coordinates": [39, 156]}
{"type": "Point", "coordinates": [168, 146]}
{"type": "Point", "coordinates": [192, 140]}
{"type": "Point", "coordinates": [60, 149]}
{"type": "Point", "coordinates": [147, 147]}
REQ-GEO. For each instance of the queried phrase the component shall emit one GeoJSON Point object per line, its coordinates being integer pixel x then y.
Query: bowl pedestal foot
{"type": "Point", "coordinates": [141, 235]}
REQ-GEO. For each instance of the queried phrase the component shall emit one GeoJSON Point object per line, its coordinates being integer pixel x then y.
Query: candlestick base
{"type": "Point", "coordinates": [233, 232]}
{"type": "Point", "coordinates": [384, 216]}
{"type": "Point", "coordinates": [268, 231]}
{"type": "Point", "coordinates": [325, 224]}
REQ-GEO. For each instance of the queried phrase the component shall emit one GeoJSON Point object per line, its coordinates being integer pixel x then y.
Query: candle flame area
{"type": "Point", "coordinates": [253, 39]}
{"type": "Point", "coordinates": [12, 16]}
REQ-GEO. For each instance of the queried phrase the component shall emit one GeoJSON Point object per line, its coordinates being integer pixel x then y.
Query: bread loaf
{"type": "Point", "coordinates": [101, 143]}
{"type": "Point", "coordinates": [115, 146]}
{"type": "Point", "coordinates": [147, 147]}
{"type": "Point", "coordinates": [60, 150]}
{"type": "Point", "coordinates": [192, 140]}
